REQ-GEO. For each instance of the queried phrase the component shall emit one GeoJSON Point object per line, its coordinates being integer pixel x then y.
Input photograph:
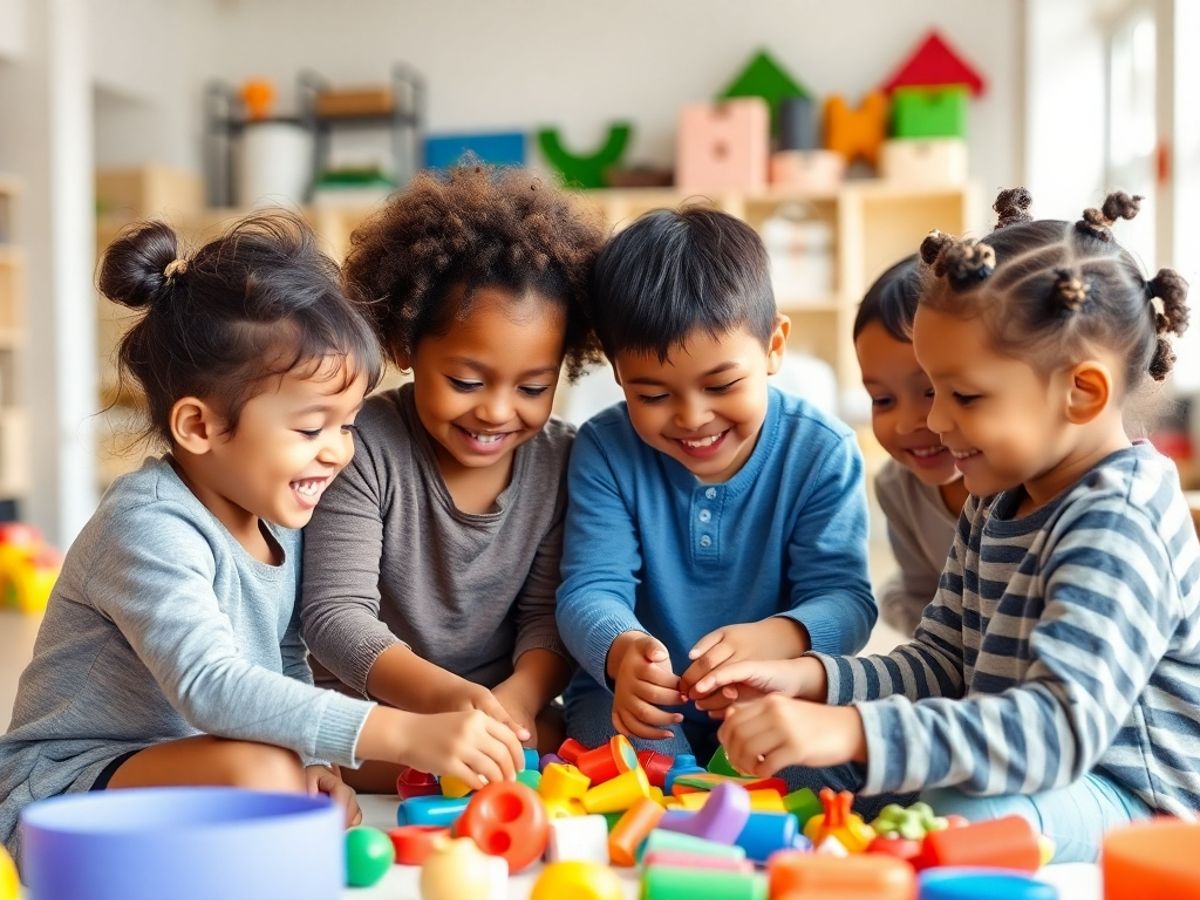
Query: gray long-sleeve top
{"type": "Point", "coordinates": [161, 627]}
{"type": "Point", "coordinates": [389, 558]}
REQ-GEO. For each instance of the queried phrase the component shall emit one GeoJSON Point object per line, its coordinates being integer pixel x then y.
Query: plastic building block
{"type": "Point", "coordinates": [562, 789]}
{"type": "Point", "coordinates": [929, 112]}
{"type": "Point", "coordinates": [803, 804]}
{"type": "Point", "coordinates": [808, 171]}
{"type": "Point", "coordinates": [571, 750]}
{"type": "Point", "coordinates": [459, 870]}
{"type": "Point", "coordinates": [685, 764]}
{"type": "Point", "coordinates": [531, 778]}
{"type": "Point", "coordinates": [1006, 843]}
{"type": "Point", "coordinates": [434, 810]}
{"type": "Point", "coordinates": [583, 838]}
{"type": "Point", "coordinates": [765, 78]}
{"type": "Point", "coordinates": [618, 793]}
{"type": "Point", "coordinates": [626, 837]}
{"type": "Point", "coordinates": [767, 832]}
{"type": "Point", "coordinates": [662, 840]}
{"type": "Point", "coordinates": [983, 884]}
{"type": "Point", "coordinates": [412, 783]}
{"type": "Point", "coordinates": [454, 787]}
{"type": "Point", "coordinates": [720, 764]}
{"type": "Point", "coordinates": [695, 861]}
{"type": "Point", "coordinates": [695, 782]}
{"type": "Point", "coordinates": [797, 117]}
{"type": "Point", "coordinates": [656, 795]}
{"type": "Point", "coordinates": [10, 884]}
{"type": "Point", "coordinates": [672, 883]}
{"type": "Point", "coordinates": [831, 846]}
{"type": "Point", "coordinates": [532, 762]}
{"type": "Point", "coordinates": [585, 171]}
{"type": "Point", "coordinates": [913, 822]}
{"type": "Point", "coordinates": [500, 149]}
{"type": "Point", "coordinates": [549, 759]}
{"type": "Point", "coordinates": [722, 146]}
{"type": "Point", "coordinates": [809, 875]}
{"type": "Point", "coordinates": [856, 133]}
{"type": "Point", "coordinates": [1151, 859]}
{"type": "Point", "coordinates": [577, 880]}
{"type": "Point", "coordinates": [607, 762]}
{"type": "Point", "coordinates": [656, 766]}
{"type": "Point", "coordinates": [414, 843]}
{"type": "Point", "coordinates": [369, 855]}
{"type": "Point", "coordinates": [506, 819]}
{"type": "Point", "coordinates": [850, 830]}
{"type": "Point", "coordinates": [903, 848]}
{"type": "Point", "coordinates": [930, 161]}
{"type": "Point", "coordinates": [934, 63]}
{"type": "Point", "coordinates": [725, 812]}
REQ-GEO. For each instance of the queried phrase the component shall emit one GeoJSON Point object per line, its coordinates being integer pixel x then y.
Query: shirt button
{"type": "Point", "coordinates": [711, 493]}
{"type": "Point", "coordinates": [705, 515]}
{"type": "Point", "coordinates": [705, 540]}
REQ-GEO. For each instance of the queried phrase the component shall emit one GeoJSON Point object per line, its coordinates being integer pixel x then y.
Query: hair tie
{"type": "Point", "coordinates": [175, 267]}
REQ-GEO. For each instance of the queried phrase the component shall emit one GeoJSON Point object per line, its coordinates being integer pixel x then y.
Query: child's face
{"type": "Point", "coordinates": [705, 404]}
{"type": "Point", "coordinates": [291, 441]}
{"type": "Point", "coordinates": [1001, 419]}
{"type": "Point", "coordinates": [901, 396]}
{"type": "Point", "coordinates": [487, 386]}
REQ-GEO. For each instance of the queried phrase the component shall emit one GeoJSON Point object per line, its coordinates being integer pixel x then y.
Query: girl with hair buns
{"type": "Point", "coordinates": [170, 652]}
{"type": "Point", "coordinates": [1056, 673]}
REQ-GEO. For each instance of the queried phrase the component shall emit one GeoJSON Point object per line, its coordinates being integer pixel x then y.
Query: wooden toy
{"type": "Point", "coordinates": [10, 884]}
{"type": "Point", "coordinates": [431, 810]}
{"type": "Point", "coordinates": [672, 883]}
{"type": "Point", "coordinates": [685, 764]}
{"type": "Point", "coordinates": [562, 789]}
{"type": "Point", "coordinates": [850, 830]}
{"type": "Point", "coordinates": [723, 146]}
{"type": "Point", "coordinates": [934, 63]}
{"type": "Point", "coordinates": [499, 149]}
{"type": "Point", "coordinates": [924, 161]}
{"type": "Point", "coordinates": [506, 819]}
{"type": "Point", "coordinates": [929, 112]}
{"type": "Point", "coordinates": [808, 171]}
{"type": "Point", "coordinates": [798, 124]}
{"type": "Point", "coordinates": [981, 884]}
{"type": "Point", "coordinates": [414, 843]}
{"type": "Point", "coordinates": [617, 793]}
{"type": "Point", "coordinates": [459, 870]}
{"type": "Point", "coordinates": [1151, 859]}
{"type": "Point", "coordinates": [765, 78]}
{"type": "Point", "coordinates": [662, 840]}
{"type": "Point", "coordinates": [656, 766]}
{"type": "Point", "coordinates": [584, 171]}
{"type": "Point", "coordinates": [724, 814]}
{"type": "Point", "coordinates": [369, 855]}
{"type": "Point", "coordinates": [794, 874]}
{"type": "Point", "coordinates": [856, 133]}
{"type": "Point", "coordinates": [695, 861]}
{"type": "Point", "coordinates": [412, 783]}
{"type": "Point", "coordinates": [583, 838]}
{"type": "Point", "coordinates": [607, 762]}
{"type": "Point", "coordinates": [1005, 843]}
{"type": "Point", "coordinates": [634, 826]}
{"type": "Point", "coordinates": [768, 832]}
{"type": "Point", "coordinates": [577, 880]}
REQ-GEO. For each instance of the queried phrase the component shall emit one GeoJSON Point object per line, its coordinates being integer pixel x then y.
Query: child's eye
{"type": "Point", "coordinates": [651, 398]}
{"type": "Point", "coordinates": [533, 390]}
{"type": "Point", "coordinates": [929, 393]}
{"type": "Point", "coordinates": [965, 399]}
{"type": "Point", "coordinates": [724, 388]}
{"type": "Point", "coordinates": [460, 384]}
{"type": "Point", "coordinates": [881, 402]}
{"type": "Point", "coordinates": [311, 433]}
{"type": "Point", "coordinates": [350, 428]}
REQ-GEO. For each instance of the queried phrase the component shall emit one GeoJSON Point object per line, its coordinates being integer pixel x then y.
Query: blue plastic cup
{"type": "Point", "coordinates": [183, 843]}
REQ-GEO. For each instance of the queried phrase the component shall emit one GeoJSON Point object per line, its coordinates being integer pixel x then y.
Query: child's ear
{"type": "Point", "coordinates": [194, 425]}
{"type": "Point", "coordinates": [1089, 391]}
{"type": "Point", "coordinates": [777, 343]}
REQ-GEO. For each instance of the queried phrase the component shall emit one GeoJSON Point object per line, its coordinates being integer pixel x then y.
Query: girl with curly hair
{"type": "Point", "coordinates": [431, 566]}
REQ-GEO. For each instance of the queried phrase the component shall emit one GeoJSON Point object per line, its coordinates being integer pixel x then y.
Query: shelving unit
{"type": "Point", "coordinates": [14, 417]}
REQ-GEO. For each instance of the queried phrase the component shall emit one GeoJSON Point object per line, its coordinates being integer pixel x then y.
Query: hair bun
{"type": "Point", "coordinates": [134, 270]}
{"type": "Point", "coordinates": [1012, 207]}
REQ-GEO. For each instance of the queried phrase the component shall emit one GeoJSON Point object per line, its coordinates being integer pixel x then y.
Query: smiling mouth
{"type": "Point", "coordinates": [701, 443]}
{"type": "Point", "coordinates": [960, 455]}
{"type": "Point", "coordinates": [309, 490]}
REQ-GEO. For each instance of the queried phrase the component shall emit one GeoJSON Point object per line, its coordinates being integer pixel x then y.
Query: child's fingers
{"type": "Point", "coordinates": [656, 674]}
{"type": "Point", "coordinates": [706, 643]}
{"type": "Point", "coordinates": [630, 726]}
{"type": "Point", "coordinates": [654, 694]}
{"type": "Point", "coordinates": [731, 673]}
{"type": "Point", "coordinates": [484, 764]}
{"type": "Point", "coordinates": [713, 659]}
{"type": "Point", "coordinates": [641, 718]}
{"type": "Point", "coordinates": [512, 760]}
{"type": "Point", "coordinates": [653, 650]}
{"type": "Point", "coordinates": [494, 708]}
{"type": "Point", "coordinates": [716, 700]}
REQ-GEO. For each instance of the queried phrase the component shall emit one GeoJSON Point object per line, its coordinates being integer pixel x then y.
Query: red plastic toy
{"type": "Point", "coordinates": [608, 761]}
{"type": "Point", "coordinates": [1006, 843]}
{"type": "Point", "coordinates": [656, 765]}
{"type": "Point", "coordinates": [412, 783]}
{"type": "Point", "coordinates": [506, 819]}
{"type": "Point", "coordinates": [571, 750]}
{"type": "Point", "coordinates": [414, 843]}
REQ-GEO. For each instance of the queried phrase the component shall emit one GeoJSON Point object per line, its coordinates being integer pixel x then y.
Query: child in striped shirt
{"type": "Point", "coordinates": [1056, 674]}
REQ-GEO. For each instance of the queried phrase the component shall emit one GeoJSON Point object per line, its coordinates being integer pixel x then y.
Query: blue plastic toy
{"type": "Point", "coordinates": [954, 883]}
{"type": "Point", "coordinates": [431, 810]}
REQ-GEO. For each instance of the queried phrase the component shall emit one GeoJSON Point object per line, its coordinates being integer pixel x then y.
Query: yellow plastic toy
{"type": "Point", "coordinates": [28, 568]}
{"type": "Point", "coordinates": [10, 885]}
{"type": "Point", "coordinates": [850, 830]}
{"type": "Point", "coordinates": [453, 788]}
{"type": "Point", "coordinates": [562, 789]}
{"type": "Point", "coordinates": [577, 880]}
{"type": "Point", "coordinates": [618, 794]}
{"type": "Point", "coordinates": [760, 801]}
{"type": "Point", "coordinates": [458, 870]}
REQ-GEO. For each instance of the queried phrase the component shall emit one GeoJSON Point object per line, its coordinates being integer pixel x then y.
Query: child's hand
{"type": "Point", "coordinates": [774, 732]}
{"type": "Point", "coordinates": [643, 681]}
{"type": "Point", "coordinates": [509, 694]}
{"type": "Point", "coordinates": [452, 692]}
{"type": "Point", "coordinates": [803, 678]}
{"type": "Point", "coordinates": [326, 780]}
{"type": "Point", "coordinates": [773, 638]}
{"type": "Point", "coordinates": [716, 702]}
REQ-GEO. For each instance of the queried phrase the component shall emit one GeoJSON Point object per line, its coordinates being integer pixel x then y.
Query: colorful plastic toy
{"type": "Point", "coordinates": [934, 63]}
{"type": "Point", "coordinates": [585, 171]}
{"type": "Point", "coordinates": [459, 870]}
{"type": "Point", "coordinates": [693, 782]}
{"type": "Point", "coordinates": [617, 793]}
{"type": "Point", "coordinates": [685, 764]}
{"type": "Point", "coordinates": [608, 761]}
{"type": "Point", "coordinates": [913, 822]}
{"type": "Point", "coordinates": [413, 844]}
{"type": "Point", "coordinates": [695, 861]}
{"type": "Point", "coordinates": [506, 819]}
{"type": "Point", "coordinates": [673, 841]}
{"type": "Point", "coordinates": [583, 838]}
{"type": "Point", "coordinates": [454, 787]}
{"type": "Point", "coordinates": [531, 759]}
{"type": "Point", "coordinates": [672, 883]}
{"type": "Point", "coordinates": [856, 133]}
{"type": "Point", "coordinates": [929, 112]}
{"type": "Point", "coordinates": [10, 884]}
{"type": "Point", "coordinates": [985, 884]}
{"type": "Point", "coordinates": [725, 812]}
{"type": "Point", "coordinates": [831, 846]}
{"type": "Point", "coordinates": [1151, 859]}
{"type": "Point", "coordinates": [432, 810]}
{"type": "Point", "coordinates": [720, 764]}
{"type": "Point", "coordinates": [893, 845]}
{"type": "Point", "coordinates": [764, 77]}
{"type": "Point", "coordinates": [793, 874]}
{"type": "Point", "coordinates": [850, 830]}
{"type": "Point", "coordinates": [531, 778]}
{"type": "Point", "coordinates": [550, 759]}
{"type": "Point", "coordinates": [634, 826]}
{"type": "Point", "coordinates": [28, 568]}
{"type": "Point", "coordinates": [1006, 843]}
{"type": "Point", "coordinates": [257, 96]}
{"type": "Point", "coordinates": [723, 146]}
{"type": "Point", "coordinates": [767, 832]}
{"type": "Point", "coordinates": [412, 783]}
{"type": "Point", "coordinates": [656, 766]}
{"type": "Point", "coordinates": [577, 880]}
{"type": "Point", "coordinates": [571, 750]}
{"type": "Point", "coordinates": [803, 804]}
{"type": "Point", "coordinates": [369, 855]}
{"type": "Point", "coordinates": [562, 789]}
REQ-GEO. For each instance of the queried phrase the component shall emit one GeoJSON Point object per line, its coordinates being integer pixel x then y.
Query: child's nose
{"type": "Point", "coordinates": [691, 415]}
{"type": "Point", "coordinates": [939, 420]}
{"type": "Point", "coordinates": [495, 408]}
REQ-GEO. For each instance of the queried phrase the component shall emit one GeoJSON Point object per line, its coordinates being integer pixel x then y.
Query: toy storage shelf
{"type": "Point", "coordinates": [14, 425]}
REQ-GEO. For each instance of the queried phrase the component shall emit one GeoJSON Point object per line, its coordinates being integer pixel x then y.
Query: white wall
{"type": "Point", "coordinates": [13, 28]}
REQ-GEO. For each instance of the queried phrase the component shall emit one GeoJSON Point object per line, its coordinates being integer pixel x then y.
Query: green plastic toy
{"type": "Point", "coordinates": [720, 764]}
{"type": "Point", "coordinates": [912, 823]}
{"type": "Point", "coordinates": [764, 77]}
{"type": "Point", "coordinates": [803, 804]}
{"type": "Point", "coordinates": [531, 778]}
{"type": "Point", "coordinates": [673, 883]}
{"type": "Point", "coordinates": [585, 171]}
{"type": "Point", "coordinates": [369, 856]}
{"type": "Point", "coordinates": [929, 112]}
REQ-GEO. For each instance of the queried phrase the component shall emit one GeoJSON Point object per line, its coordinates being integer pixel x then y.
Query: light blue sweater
{"type": "Point", "coordinates": [651, 548]}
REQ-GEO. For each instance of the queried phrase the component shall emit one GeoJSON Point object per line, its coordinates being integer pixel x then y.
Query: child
{"type": "Point", "coordinates": [430, 567]}
{"type": "Point", "coordinates": [920, 490]}
{"type": "Point", "coordinates": [170, 651]}
{"type": "Point", "coordinates": [711, 518]}
{"type": "Point", "coordinates": [1055, 673]}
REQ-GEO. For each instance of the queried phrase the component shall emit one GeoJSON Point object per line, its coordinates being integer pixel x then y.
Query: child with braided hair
{"type": "Point", "coordinates": [1056, 674]}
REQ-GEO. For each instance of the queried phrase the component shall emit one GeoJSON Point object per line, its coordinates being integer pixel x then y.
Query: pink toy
{"type": "Point", "coordinates": [723, 146]}
{"type": "Point", "coordinates": [721, 819]}
{"type": "Point", "coordinates": [807, 171]}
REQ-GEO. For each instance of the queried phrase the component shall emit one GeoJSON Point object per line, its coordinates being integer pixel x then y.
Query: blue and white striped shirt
{"type": "Point", "coordinates": [1059, 643]}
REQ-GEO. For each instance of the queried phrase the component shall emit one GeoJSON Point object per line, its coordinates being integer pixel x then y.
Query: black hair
{"type": "Point", "coordinates": [892, 300]}
{"type": "Point", "coordinates": [1047, 289]}
{"type": "Point", "coordinates": [476, 226]}
{"type": "Point", "coordinates": [671, 272]}
{"type": "Point", "coordinates": [258, 302]}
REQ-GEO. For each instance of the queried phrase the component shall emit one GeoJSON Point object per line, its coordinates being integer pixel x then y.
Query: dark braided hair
{"type": "Point", "coordinates": [1048, 289]}
{"type": "Point", "coordinates": [476, 226]}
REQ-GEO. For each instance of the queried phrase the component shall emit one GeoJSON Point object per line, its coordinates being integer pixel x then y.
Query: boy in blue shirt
{"type": "Point", "coordinates": [711, 518]}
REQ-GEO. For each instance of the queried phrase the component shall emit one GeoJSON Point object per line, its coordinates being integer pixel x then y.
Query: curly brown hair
{"type": "Point", "coordinates": [476, 226]}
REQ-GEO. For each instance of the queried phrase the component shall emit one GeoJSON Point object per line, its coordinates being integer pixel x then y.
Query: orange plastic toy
{"type": "Point", "coordinates": [608, 761]}
{"type": "Point", "coordinates": [631, 829]}
{"type": "Point", "coordinates": [856, 133]}
{"type": "Point", "coordinates": [794, 875]}
{"type": "Point", "coordinates": [1006, 843]}
{"type": "Point", "coordinates": [506, 819]}
{"type": "Point", "coordinates": [1151, 859]}
{"type": "Point", "coordinates": [415, 843]}
{"type": "Point", "coordinates": [851, 831]}
{"type": "Point", "coordinates": [257, 96]}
